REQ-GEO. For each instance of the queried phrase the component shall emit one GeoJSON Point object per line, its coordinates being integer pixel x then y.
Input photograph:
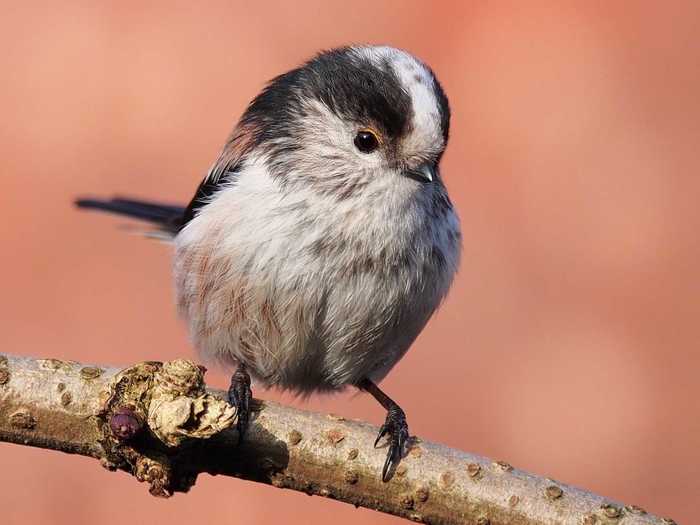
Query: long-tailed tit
{"type": "Point", "coordinates": [322, 239]}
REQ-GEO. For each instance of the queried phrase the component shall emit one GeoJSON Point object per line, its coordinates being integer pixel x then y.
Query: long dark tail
{"type": "Point", "coordinates": [167, 217]}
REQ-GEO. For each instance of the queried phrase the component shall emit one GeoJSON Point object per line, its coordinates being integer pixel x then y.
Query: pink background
{"type": "Point", "coordinates": [569, 345]}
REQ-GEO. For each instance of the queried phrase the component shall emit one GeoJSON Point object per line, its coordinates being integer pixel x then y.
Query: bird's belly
{"type": "Point", "coordinates": [311, 298]}
{"type": "Point", "coordinates": [302, 327]}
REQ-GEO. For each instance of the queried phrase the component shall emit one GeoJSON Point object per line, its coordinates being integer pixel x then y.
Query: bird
{"type": "Point", "coordinates": [322, 239]}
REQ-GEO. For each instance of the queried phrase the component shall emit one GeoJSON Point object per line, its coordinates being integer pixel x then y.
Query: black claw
{"type": "Point", "coordinates": [397, 428]}
{"type": "Point", "coordinates": [239, 395]}
{"type": "Point", "coordinates": [382, 432]}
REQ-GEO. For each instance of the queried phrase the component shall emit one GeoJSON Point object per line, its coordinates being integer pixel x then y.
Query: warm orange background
{"type": "Point", "coordinates": [570, 343]}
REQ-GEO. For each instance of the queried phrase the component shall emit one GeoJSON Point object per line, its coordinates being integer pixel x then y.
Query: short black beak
{"type": "Point", "coordinates": [424, 173]}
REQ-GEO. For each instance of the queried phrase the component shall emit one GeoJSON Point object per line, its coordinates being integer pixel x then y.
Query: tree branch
{"type": "Point", "coordinates": [157, 422]}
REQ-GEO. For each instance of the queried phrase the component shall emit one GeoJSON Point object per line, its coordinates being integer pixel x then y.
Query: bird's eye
{"type": "Point", "coordinates": [366, 141]}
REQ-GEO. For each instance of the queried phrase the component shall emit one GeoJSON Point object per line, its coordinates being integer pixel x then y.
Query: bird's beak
{"type": "Point", "coordinates": [422, 173]}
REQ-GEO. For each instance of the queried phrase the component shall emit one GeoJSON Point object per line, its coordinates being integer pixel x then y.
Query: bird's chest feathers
{"type": "Point", "coordinates": [268, 251]}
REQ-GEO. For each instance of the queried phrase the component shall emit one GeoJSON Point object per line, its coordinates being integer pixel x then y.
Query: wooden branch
{"type": "Point", "coordinates": [157, 422]}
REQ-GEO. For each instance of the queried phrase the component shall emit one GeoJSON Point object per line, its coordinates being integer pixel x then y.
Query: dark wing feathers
{"type": "Point", "coordinates": [208, 187]}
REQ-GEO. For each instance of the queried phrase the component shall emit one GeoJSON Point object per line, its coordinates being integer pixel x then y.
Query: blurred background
{"type": "Point", "coordinates": [569, 345]}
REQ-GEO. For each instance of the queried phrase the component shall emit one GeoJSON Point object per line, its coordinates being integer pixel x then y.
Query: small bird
{"type": "Point", "coordinates": [322, 238]}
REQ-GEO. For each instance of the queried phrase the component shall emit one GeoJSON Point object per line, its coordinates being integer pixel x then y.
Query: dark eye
{"type": "Point", "coordinates": [366, 141]}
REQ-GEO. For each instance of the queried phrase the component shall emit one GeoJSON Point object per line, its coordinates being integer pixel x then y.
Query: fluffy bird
{"type": "Point", "coordinates": [322, 238]}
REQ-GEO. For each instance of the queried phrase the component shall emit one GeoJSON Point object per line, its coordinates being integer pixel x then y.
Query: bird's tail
{"type": "Point", "coordinates": [167, 218]}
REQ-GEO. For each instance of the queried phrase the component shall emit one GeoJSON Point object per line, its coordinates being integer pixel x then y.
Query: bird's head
{"type": "Point", "coordinates": [346, 119]}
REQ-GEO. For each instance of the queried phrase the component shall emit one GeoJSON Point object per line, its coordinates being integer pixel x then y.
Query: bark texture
{"type": "Point", "coordinates": [158, 422]}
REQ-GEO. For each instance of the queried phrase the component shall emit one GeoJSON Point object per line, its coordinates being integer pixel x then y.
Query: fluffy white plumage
{"type": "Point", "coordinates": [308, 290]}
{"type": "Point", "coordinates": [255, 289]}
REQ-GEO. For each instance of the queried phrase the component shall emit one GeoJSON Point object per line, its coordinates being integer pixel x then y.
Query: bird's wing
{"type": "Point", "coordinates": [222, 172]}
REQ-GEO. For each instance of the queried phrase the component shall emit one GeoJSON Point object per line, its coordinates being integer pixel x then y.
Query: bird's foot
{"type": "Point", "coordinates": [396, 428]}
{"type": "Point", "coordinates": [239, 395]}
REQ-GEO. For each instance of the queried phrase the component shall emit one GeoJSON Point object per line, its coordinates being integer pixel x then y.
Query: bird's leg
{"type": "Point", "coordinates": [239, 395]}
{"type": "Point", "coordinates": [395, 426]}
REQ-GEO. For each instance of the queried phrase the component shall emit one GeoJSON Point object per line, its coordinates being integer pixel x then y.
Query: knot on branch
{"type": "Point", "coordinates": [172, 400]}
{"type": "Point", "coordinates": [180, 409]}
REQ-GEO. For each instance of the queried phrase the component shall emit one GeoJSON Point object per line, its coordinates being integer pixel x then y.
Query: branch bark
{"type": "Point", "coordinates": [157, 422]}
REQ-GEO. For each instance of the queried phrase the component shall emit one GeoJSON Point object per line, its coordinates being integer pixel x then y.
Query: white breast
{"type": "Point", "coordinates": [312, 293]}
